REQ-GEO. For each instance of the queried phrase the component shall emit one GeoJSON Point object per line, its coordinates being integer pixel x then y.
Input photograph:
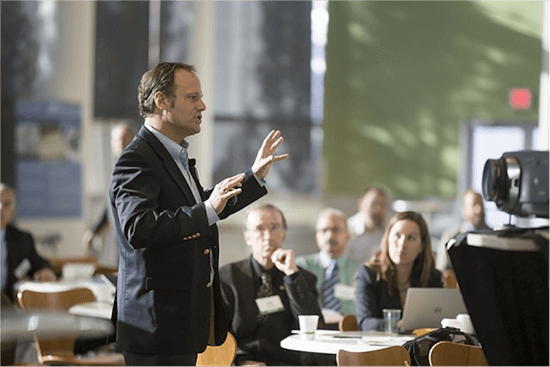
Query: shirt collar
{"type": "Point", "coordinates": [174, 149]}
{"type": "Point", "coordinates": [258, 270]}
{"type": "Point", "coordinates": [324, 259]}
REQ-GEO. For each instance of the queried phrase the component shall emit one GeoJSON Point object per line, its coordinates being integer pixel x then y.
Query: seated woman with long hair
{"type": "Point", "coordinates": [404, 260]}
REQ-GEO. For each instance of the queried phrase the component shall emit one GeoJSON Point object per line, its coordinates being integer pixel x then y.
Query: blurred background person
{"type": "Point", "coordinates": [366, 227]}
{"type": "Point", "coordinates": [404, 260]}
{"type": "Point", "coordinates": [19, 256]}
{"type": "Point", "coordinates": [100, 239]}
{"type": "Point", "coordinates": [269, 273]}
{"type": "Point", "coordinates": [334, 271]}
{"type": "Point", "coordinates": [473, 215]}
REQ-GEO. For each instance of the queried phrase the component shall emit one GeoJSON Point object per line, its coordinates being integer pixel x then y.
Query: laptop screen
{"type": "Point", "coordinates": [426, 307]}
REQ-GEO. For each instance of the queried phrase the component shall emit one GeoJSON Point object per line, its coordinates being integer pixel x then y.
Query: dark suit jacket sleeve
{"type": "Point", "coordinates": [137, 191]}
{"type": "Point", "coordinates": [37, 261]}
{"type": "Point", "coordinates": [144, 219]}
{"type": "Point", "coordinates": [367, 301]}
{"type": "Point", "coordinates": [303, 295]}
{"type": "Point", "coordinates": [20, 247]}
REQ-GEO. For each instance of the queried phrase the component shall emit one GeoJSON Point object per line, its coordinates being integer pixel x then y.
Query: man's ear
{"type": "Point", "coordinates": [247, 238]}
{"type": "Point", "coordinates": [161, 101]}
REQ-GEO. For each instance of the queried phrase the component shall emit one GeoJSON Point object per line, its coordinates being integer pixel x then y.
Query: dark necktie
{"type": "Point", "coordinates": [266, 288]}
{"type": "Point", "coordinates": [331, 279]}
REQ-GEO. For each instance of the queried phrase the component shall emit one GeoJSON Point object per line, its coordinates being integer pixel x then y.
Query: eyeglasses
{"type": "Point", "coordinates": [274, 228]}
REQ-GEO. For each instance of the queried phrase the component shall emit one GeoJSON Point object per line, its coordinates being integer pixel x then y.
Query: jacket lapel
{"type": "Point", "coordinates": [168, 163]}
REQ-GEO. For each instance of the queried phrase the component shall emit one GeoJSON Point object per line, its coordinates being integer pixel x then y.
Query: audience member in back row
{"type": "Point", "coordinates": [101, 239]}
{"type": "Point", "coordinates": [19, 257]}
{"type": "Point", "coordinates": [404, 260]}
{"type": "Point", "coordinates": [334, 271]}
{"type": "Point", "coordinates": [366, 227]}
{"type": "Point", "coordinates": [473, 214]}
{"type": "Point", "coordinates": [264, 294]}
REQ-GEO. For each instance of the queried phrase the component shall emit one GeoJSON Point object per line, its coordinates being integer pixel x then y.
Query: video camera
{"type": "Point", "coordinates": [518, 183]}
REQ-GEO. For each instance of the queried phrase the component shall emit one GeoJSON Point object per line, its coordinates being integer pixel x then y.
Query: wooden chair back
{"type": "Point", "coordinates": [455, 354]}
{"type": "Point", "coordinates": [423, 331]}
{"type": "Point", "coordinates": [348, 323]}
{"type": "Point", "coordinates": [222, 355]}
{"type": "Point", "coordinates": [54, 301]}
{"type": "Point", "coordinates": [105, 270]}
{"type": "Point", "coordinates": [390, 356]}
{"type": "Point", "coordinates": [449, 279]}
{"type": "Point", "coordinates": [60, 350]}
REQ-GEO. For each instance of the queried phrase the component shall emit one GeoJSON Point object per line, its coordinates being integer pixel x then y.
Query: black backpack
{"type": "Point", "coordinates": [419, 347]}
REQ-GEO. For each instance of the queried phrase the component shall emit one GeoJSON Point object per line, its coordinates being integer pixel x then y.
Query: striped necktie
{"type": "Point", "coordinates": [331, 279]}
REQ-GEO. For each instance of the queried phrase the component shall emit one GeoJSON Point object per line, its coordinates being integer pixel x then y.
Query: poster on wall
{"type": "Point", "coordinates": [48, 160]}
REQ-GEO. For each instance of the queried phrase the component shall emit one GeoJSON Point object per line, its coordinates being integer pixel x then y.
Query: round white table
{"type": "Point", "coordinates": [331, 341]}
{"type": "Point", "coordinates": [17, 323]}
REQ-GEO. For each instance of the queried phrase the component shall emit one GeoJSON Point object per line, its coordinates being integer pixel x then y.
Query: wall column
{"type": "Point", "coordinates": [201, 55]}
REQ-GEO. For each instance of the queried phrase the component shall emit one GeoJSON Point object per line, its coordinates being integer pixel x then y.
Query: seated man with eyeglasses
{"type": "Point", "coordinates": [264, 294]}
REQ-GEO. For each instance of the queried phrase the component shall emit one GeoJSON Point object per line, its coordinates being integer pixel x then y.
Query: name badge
{"type": "Point", "coordinates": [344, 292]}
{"type": "Point", "coordinates": [22, 269]}
{"type": "Point", "coordinates": [269, 305]}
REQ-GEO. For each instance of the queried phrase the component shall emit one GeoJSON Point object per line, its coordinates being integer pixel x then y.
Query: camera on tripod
{"type": "Point", "coordinates": [518, 183]}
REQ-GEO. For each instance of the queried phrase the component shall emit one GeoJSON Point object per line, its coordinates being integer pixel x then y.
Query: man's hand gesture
{"type": "Point", "coordinates": [265, 157]}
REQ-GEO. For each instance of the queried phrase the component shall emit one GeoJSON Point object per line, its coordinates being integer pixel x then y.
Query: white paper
{"type": "Point", "coordinates": [269, 305]}
{"type": "Point", "coordinates": [344, 292]}
{"type": "Point", "coordinates": [23, 268]}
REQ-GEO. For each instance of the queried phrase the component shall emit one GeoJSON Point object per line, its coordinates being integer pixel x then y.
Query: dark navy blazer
{"type": "Point", "coordinates": [164, 286]}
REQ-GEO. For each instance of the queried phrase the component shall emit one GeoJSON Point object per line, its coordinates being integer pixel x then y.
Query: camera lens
{"type": "Point", "coordinates": [494, 180]}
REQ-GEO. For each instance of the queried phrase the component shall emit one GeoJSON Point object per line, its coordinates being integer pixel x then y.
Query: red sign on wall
{"type": "Point", "coordinates": [520, 98]}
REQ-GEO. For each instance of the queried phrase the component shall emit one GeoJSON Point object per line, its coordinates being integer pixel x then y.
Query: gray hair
{"type": "Point", "coordinates": [331, 211]}
{"type": "Point", "coordinates": [264, 207]}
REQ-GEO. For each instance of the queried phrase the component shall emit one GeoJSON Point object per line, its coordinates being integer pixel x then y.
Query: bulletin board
{"type": "Point", "coordinates": [48, 175]}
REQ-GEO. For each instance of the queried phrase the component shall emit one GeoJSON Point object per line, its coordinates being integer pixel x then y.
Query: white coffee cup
{"type": "Point", "coordinates": [308, 326]}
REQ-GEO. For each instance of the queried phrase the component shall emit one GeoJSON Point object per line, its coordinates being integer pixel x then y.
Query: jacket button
{"type": "Point", "coordinates": [206, 251]}
{"type": "Point", "coordinates": [197, 235]}
{"type": "Point", "coordinates": [209, 284]}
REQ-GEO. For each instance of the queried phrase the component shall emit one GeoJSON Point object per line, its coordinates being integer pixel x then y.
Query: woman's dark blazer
{"type": "Point", "coordinates": [372, 296]}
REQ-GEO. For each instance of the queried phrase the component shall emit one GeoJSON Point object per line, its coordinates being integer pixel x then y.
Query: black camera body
{"type": "Point", "coordinates": [518, 183]}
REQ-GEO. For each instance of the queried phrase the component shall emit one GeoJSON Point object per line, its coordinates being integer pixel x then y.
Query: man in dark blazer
{"type": "Point", "coordinates": [19, 256]}
{"type": "Point", "coordinates": [260, 319]}
{"type": "Point", "coordinates": [168, 294]}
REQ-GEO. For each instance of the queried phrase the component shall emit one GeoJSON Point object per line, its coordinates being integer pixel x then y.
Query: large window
{"type": "Point", "coordinates": [262, 79]}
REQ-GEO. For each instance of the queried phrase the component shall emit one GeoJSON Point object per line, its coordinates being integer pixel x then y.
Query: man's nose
{"type": "Point", "coordinates": [202, 106]}
{"type": "Point", "coordinates": [266, 234]}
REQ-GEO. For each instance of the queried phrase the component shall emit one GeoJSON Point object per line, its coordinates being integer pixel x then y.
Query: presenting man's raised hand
{"type": "Point", "coordinates": [265, 157]}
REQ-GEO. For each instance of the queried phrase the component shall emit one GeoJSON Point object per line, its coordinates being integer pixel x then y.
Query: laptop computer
{"type": "Point", "coordinates": [426, 307]}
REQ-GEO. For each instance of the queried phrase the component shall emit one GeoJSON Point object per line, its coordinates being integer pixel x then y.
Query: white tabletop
{"type": "Point", "coordinates": [17, 323]}
{"type": "Point", "coordinates": [331, 341]}
{"type": "Point", "coordinates": [100, 310]}
{"type": "Point", "coordinates": [103, 292]}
